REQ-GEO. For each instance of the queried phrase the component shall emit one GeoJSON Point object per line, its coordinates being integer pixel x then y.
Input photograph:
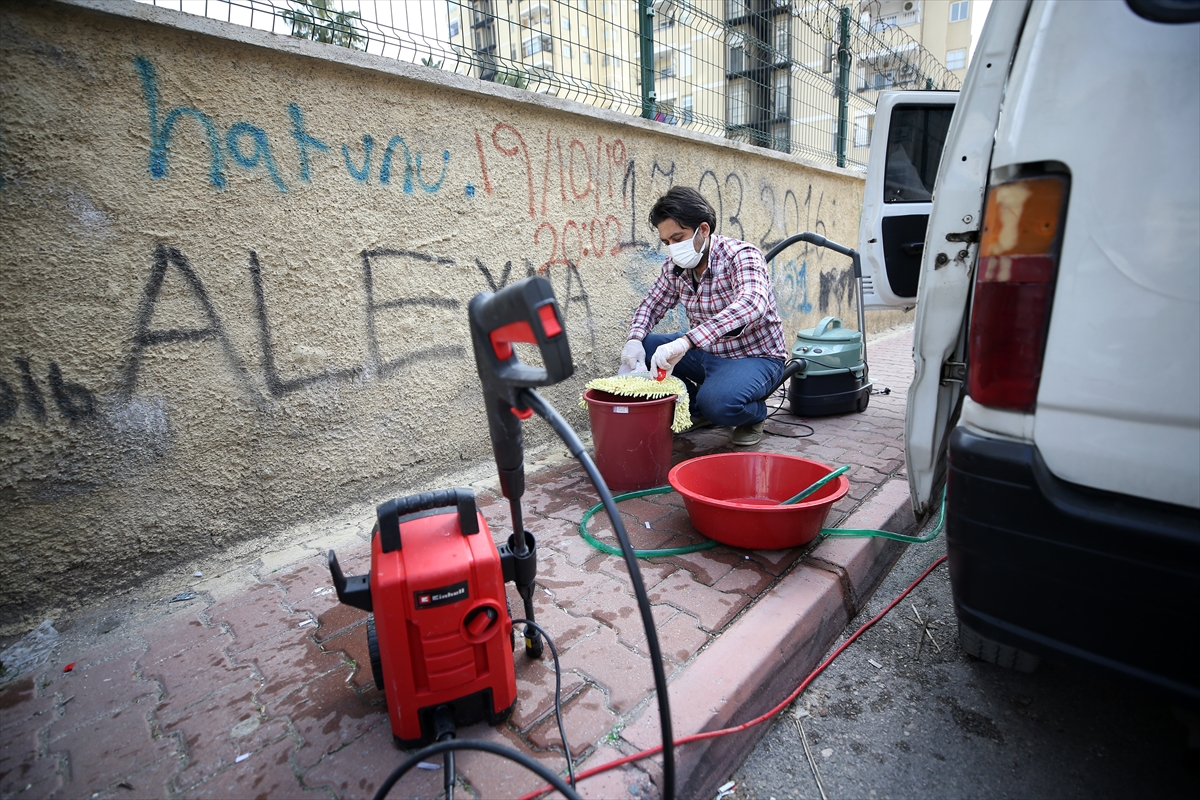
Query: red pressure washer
{"type": "Point", "coordinates": [440, 638]}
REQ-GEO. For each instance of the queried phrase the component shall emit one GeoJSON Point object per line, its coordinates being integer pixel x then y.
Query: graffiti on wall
{"type": "Point", "coordinates": [250, 147]}
{"type": "Point", "coordinates": [73, 401]}
{"type": "Point", "coordinates": [589, 200]}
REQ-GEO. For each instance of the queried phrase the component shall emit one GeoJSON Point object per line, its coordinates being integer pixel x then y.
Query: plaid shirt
{"type": "Point", "coordinates": [732, 314]}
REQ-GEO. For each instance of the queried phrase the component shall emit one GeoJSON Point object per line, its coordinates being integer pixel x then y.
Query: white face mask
{"type": "Point", "coordinates": [684, 253]}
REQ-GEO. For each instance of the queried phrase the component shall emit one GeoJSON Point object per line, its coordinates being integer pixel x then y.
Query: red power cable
{"type": "Point", "coordinates": [695, 737]}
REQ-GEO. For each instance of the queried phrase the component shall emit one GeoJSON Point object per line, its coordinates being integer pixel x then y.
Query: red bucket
{"type": "Point", "coordinates": [632, 439]}
{"type": "Point", "coordinates": [734, 498]}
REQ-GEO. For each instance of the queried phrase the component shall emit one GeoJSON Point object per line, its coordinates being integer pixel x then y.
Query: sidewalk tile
{"type": "Point", "coordinates": [177, 633]}
{"type": "Point", "coordinates": [287, 663]}
{"type": "Point", "coordinates": [97, 691]}
{"type": "Point", "coordinates": [109, 748]}
{"type": "Point", "coordinates": [253, 616]}
{"type": "Point", "coordinates": [711, 607]}
{"type": "Point", "coordinates": [358, 769]}
{"type": "Point", "coordinates": [153, 781]}
{"type": "Point", "coordinates": [624, 674]}
{"type": "Point", "coordinates": [566, 583]}
{"type": "Point", "coordinates": [709, 566]}
{"type": "Point", "coordinates": [266, 773]}
{"type": "Point", "coordinates": [564, 628]}
{"type": "Point", "coordinates": [190, 677]}
{"type": "Point", "coordinates": [626, 782]}
{"type": "Point", "coordinates": [20, 705]}
{"type": "Point", "coordinates": [535, 689]}
{"type": "Point", "coordinates": [653, 571]}
{"type": "Point", "coordinates": [749, 578]}
{"type": "Point", "coordinates": [327, 714]}
{"type": "Point", "coordinates": [214, 733]}
{"type": "Point", "coordinates": [585, 717]}
{"type": "Point", "coordinates": [493, 777]}
{"type": "Point", "coordinates": [620, 612]}
{"type": "Point", "coordinates": [20, 766]}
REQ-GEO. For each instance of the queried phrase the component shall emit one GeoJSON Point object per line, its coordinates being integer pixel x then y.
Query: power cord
{"type": "Point", "coordinates": [562, 731]}
{"type": "Point", "coordinates": [771, 416]}
{"type": "Point", "coordinates": [476, 744]}
{"type": "Point", "coordinates": [764, 717]}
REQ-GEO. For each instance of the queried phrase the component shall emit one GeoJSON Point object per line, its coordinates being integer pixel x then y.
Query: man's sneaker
{"type": "Point", "coordinates": [698, 421]}
{"type": "Point", "coordinates": [746, 435]}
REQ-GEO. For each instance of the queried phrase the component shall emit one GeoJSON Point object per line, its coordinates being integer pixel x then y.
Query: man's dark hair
{"type": "Point", "coordinates": [686, 206]}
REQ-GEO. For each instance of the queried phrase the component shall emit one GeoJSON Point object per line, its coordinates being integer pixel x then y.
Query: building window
{"type": "Point", "coordinates": [781, 38]}
{"type": "Point", "coordinates": [685, 62]}
{"type": "Point", "coordinates": [956, 59]}
{"type": "Point", "coordinates": [541, 43]}
{"type": "Point", "coordinates": [958, 10]}
{"type": "Point", "coordinates": [539, 14]}
{"type": "Point", "coordinates": [583, 5]}
{"type": "Point", "coordinates": [737, 56]}
{"type": "Point", "coordinates": [566, 50]}
{"type": "Point", "coordinates": [583, 32]}
{"type": "Point", "coordinates": [453, 28]}
{"type": "Point", "coordinates": [780, 99]}
{"type": "Point", "coordinates": [863, 125]}
{"type": "Point", "coordinates": [587, 57]}
{"type": "Point", "coordinates": [736, 112]}
{"type": "Point", "coordinates": [830, 55]}
{"type": "Point", "coordinates": [688, 113]}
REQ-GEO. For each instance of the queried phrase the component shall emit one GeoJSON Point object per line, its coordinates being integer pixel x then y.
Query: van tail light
{"type": "Point", "coordinates": [1014, 285]}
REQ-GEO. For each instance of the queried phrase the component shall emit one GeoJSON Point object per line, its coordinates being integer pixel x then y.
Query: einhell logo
{"type": "Point", "coordinates": [443, 595]}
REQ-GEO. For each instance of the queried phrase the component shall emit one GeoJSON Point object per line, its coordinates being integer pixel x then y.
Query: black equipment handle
{"type": "Point", "coordinates": [353, 591]}
{"type": "Point", "coordinates": [525, 311]}
{"type": "Point", "coordinates": [390, 513]}
{"type": "Point", "coordinates": [819, 241]}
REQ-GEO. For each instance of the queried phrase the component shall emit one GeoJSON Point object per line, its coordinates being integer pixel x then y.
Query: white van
{"type": "Point", "coordinates": [1045, 222]}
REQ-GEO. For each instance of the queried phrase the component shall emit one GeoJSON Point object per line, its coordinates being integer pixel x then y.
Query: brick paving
{"type": "Point", "coordinates": [264, 689]}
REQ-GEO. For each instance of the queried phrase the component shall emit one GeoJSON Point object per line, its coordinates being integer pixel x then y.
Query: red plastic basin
{"type": "Point", "coordinates": [734, 498]}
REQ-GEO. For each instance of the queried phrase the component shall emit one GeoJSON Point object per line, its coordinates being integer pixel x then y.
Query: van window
{"type": "Point", "coordinates": [916, 137]}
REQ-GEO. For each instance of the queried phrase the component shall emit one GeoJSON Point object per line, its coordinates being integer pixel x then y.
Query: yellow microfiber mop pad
{"type": "Point", "coordinates": [642, 385]}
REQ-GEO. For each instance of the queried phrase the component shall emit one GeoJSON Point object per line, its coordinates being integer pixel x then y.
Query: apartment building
{"type": "Point", "coordinates": [772, 73]}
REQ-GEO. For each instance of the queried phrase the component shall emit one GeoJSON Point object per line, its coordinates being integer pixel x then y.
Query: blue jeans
{"type": "Point", "coordinates": [728, 391]}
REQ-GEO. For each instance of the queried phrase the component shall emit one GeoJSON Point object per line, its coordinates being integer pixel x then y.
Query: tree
{"type": "Point", "coordinates": [323, 21]}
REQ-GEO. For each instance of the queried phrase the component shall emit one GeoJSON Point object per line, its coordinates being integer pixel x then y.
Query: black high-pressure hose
{"type": "Point", "coordinates": [476, 744]}
{"type": "Point", "coordinates": [533, 400]}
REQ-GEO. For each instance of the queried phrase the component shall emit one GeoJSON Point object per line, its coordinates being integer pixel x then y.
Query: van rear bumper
{"type": "Point", "coordinates": [1106, 581]}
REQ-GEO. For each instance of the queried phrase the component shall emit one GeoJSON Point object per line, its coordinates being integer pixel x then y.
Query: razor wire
{"type": "Point", "coordinates": [797, 77]}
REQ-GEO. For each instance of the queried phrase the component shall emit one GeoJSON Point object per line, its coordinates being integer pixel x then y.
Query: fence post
{"type": "Point", "coordinates": [843, 87]}
{"type": "Point", "coordinates": [646, 37]}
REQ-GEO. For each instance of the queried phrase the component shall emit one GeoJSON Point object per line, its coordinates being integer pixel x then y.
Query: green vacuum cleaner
{"type": "Point", "coordinates": [827, 372]}
{"type": "Point", "coordinates": [833, 379]}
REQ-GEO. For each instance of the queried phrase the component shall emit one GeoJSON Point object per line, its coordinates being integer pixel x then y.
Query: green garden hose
{"type": "Point", "coordinates": [693, 548]}
{"type": "Point", "coordinates": [616, 551]}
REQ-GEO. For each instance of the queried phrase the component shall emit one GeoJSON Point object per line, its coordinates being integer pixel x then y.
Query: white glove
{"type": "Point", "coordinates": [633, 357]}
{"type": "Point", "coordinates": [668, 355]}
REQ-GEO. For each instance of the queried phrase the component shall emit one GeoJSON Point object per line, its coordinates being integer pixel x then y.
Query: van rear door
{"type": "Point", "coordinates": [944, 275]}
{"type": "Point", "coordinates": [907, 142]}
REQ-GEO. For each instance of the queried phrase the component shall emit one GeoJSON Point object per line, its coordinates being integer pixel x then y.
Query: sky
{"type": "Point", "coordinates": [978, 15]}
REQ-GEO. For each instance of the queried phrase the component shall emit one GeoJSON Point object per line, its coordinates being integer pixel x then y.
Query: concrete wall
{"type": "Point", "coordinates": [236, 268]}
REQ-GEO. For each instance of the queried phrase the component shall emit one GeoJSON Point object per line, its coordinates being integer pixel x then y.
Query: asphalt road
{"type": "Point", "coordinates": [931, 724]}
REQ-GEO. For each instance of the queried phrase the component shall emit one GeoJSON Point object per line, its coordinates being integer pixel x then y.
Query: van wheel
{"type": "Point", "coordinates": [863, 401]}
{"type": "Point", "coordinates": [973, 644]}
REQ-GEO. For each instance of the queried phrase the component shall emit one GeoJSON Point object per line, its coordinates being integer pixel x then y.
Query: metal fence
{"type": "Point", "coordinates": [799, 77]}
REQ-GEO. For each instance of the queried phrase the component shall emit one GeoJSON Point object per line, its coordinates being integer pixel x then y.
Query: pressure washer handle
{"type": "Point", "coordinates": [527, 312]}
